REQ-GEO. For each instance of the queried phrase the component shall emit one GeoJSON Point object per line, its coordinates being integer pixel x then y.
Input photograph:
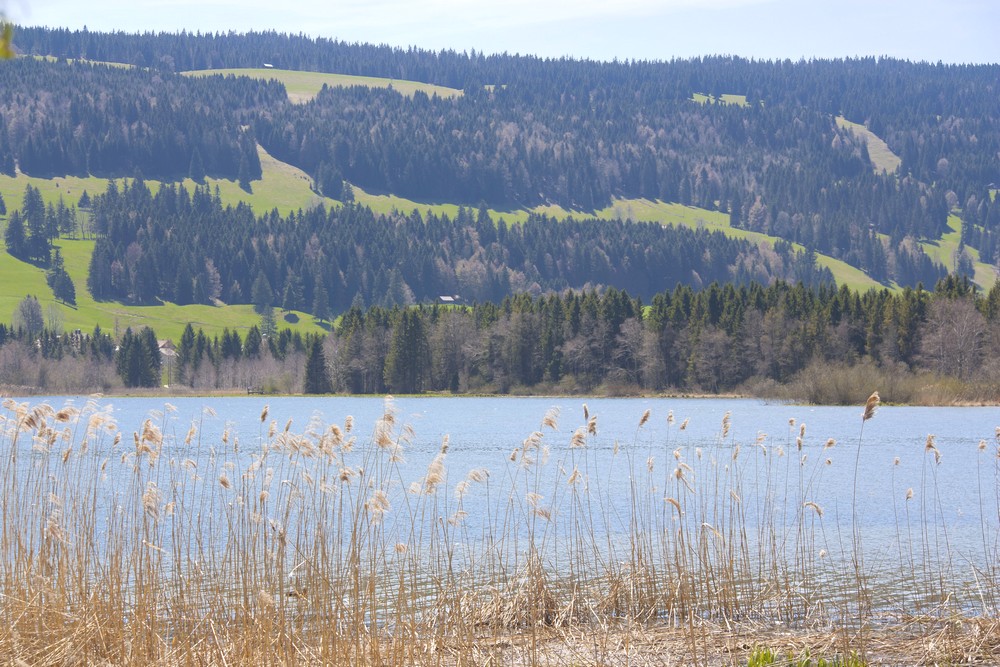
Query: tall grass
{"type": "Point", "coordinates": [321, 546]}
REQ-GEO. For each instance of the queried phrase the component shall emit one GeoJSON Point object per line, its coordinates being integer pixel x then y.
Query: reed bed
{"type": "Point", "coordinates": [321, 546]}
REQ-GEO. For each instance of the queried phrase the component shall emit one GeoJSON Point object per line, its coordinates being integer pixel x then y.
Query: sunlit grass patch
{"type": "Point", "coordinates": [882, 157]}
{"type": "Point", "coordinates": [945, 250]}
{"type": "Point", "coordinates": [282, 187]}
{"type": "Point", "coordinates": [725, 98]}
{"type": "Point", "coordinates": [168, 320]}
{"type": "Point", "coordinates": [303, 86]}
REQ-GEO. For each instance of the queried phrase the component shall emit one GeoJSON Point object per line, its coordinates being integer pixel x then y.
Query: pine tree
{"type": "Point", "coordinates": [37, 244]}
{"type": "Point", "coordinates": [262, 295]}
{"type": "Point", "coordinates": [14, 237]}
{"type": "Point", "coordinates": [252, 343]}
{"type": "Point", "coordinates": [154, 364]}
{"type": "Point", "coordinates": [407, 364]}
{"type": "Point", "coordinates": [268, 325]}
{"type": "Point", "coordinates": [321, 302]}
{"type": "Point", "coordinates": [66, 217]}
{"type": "Point", "coordinates": [263, 300]}
{"type": "Point", "coordinates": [232, 346]}
{"type": "Point", "coordinates": [60, 282]}
{"type": "Point", "coordinates": [185, 354]}
{"type": "Point", "coordinates": [138, 359]}
{"type": "Point", "coordinates": [99, 274]}
{"type": "Point", "coordinates": [291, 299]}
{"type": "Point", "coordinates": [317, 378]}
{"type": "Point", "coordinates": [244, 175]}
{"type": "Point", "coordinates": [197, 169]}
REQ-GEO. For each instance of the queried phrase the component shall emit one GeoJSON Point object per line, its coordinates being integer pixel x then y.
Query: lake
{"type": "Point", "coordinates": [769, 492]}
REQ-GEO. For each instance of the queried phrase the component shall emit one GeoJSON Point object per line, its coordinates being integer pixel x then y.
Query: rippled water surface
{"type": "Point", "coordinates": [919, 484]}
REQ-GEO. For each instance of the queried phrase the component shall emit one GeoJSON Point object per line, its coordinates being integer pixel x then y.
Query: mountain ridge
{"type": "Point", "coordinates": [780, 165]}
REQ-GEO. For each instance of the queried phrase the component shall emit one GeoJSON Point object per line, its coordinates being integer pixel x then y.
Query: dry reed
{"type": "Point", "coordinates": [306, 549]}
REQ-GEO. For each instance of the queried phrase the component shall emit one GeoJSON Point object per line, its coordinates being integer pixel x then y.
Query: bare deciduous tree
{"type": "Point", "coordinates": [28, 316]}
{"type": "Point", "coordinates": [953, 339]}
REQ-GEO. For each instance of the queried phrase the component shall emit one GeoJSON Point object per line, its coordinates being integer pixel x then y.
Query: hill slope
{"type": "Point", "coordinates": [304, 86]}
{"type": "Point", "coordinates": [286, 189]}
{"type": "Point", "coordinates": [776, 163]}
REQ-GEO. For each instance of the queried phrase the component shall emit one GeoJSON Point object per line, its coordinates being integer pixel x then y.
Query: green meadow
{"type": "Point", "coordinates": [286, 189]}
{"type": "Point", "coordinates": [283, 187]}
{"type": "Point", "coordinates": [725, 98]}
{"type": "Point", "coordinates": [303, 86]}
{"type": "Point", "coordinates": [690, 216]}
{"type": "Point", "coordinates": [882, 157]}
{"type": "Point", "coordinates": [167, 319]}
{"type": "Point", "coordinates": [945, 250]}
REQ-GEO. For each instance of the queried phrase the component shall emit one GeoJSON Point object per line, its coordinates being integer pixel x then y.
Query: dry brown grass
{"type": "Point", "coordinates": [310, 548]}
{"type": "Point", "coordinates": [975, 642]}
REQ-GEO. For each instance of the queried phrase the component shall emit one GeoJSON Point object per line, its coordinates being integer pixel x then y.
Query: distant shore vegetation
{"type": "Point", "coordinates": [792, 342]}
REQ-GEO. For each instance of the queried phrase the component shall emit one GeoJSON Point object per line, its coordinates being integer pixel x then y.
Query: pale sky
{"type": "Point", "coordinates": [952, 31]}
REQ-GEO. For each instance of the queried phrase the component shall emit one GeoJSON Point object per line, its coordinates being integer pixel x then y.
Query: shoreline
{"type": "Point", "coordinates": [10, 392]}
{"type": "Point", "coordinates": [918, 641]}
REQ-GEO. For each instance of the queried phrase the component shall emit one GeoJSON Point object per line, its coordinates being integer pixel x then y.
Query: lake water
{"type": "Point", "coordinates": [482, 432]}
{"type": "Point", "coordinates": [914, 507]}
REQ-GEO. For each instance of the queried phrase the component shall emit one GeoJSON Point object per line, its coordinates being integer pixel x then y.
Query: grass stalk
{"type": "Point", "coordinates": [306, 547]}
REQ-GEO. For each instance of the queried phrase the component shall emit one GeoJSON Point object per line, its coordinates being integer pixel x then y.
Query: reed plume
{"type": "Point", "coordinates": [308, 550]}
{"type": "Point", "coordinates": [871, 405]}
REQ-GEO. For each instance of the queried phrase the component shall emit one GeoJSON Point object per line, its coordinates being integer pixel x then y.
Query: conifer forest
{"type": "Point", "coordinates": [783, 150]}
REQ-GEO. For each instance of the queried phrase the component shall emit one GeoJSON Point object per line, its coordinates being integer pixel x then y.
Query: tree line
{"type": "Point", "coordinates": [36, 354]}
{"type": "Point", "coordinates": [717, 339]}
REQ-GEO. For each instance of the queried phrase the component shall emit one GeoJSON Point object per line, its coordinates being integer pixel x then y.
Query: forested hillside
{"type": "Point", "coordinates": [525, 132]}
{"type": "Point", "coordinates": [821, 344]}
{"type": "Point", "coordinates": [191, 249]}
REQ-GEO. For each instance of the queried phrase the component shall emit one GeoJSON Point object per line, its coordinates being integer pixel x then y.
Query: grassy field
{"type": "Point", "coordinates": [282, 187]}
{"type": "Point", "coordinates": [689, 216]}
{"type": "Point", "coordinates": [19, 280]}
{"type": "Point", "coordinates": [69, 188]}
{"type": "Point", "coordinates": [385, 204]}
{"type": "Point", "coordinates": [286, 188]}
{"type": "Point", "coordinates": [883, 159]}
{"type": "Point", "coordinates": [303, 86]}
{"type": "Point", "coordinates": [945, 249]}
{"type": "Point", "coordinates": [726, 98]}
{"type": "Point", "coordinates": [168, 320]}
